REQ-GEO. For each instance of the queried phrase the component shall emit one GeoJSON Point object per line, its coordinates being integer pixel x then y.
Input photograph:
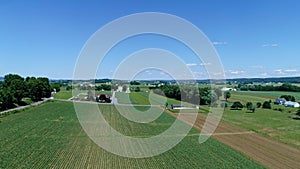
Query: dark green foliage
{"type": "Point", "coordinates": [105, 87]}
{"type": "Point", "coordinates": [283, 87]}
{"type": "Point", "coordinates": [227, 95]}
{"type": "Point", "coordinates": [188, 94]}
{"type": "Point", "coordinates": [288, 97]}
{"type": "Point", "coordinates": [14, 88]}
{"type": "Point", "coordinates": [258, 104]}
{"type": "Point", "coordinates": [55, 86]}
{"type": "Point", "coordinates": [237, 105]}
{"type": "Point", "coordinates": [38, 88]}
{"type": "Point", "coordinates": [298, 112]}
{"type": "Point", "coordinates": [137, 89]}
{"type": "Point", "coordinates": [266, 105]}
{"type": "Point", "coordinates": [69, 88]}
{"type": "Point", "coordinates": [250, 106]}
{"type": "Point", "coordinates": [134, 83]}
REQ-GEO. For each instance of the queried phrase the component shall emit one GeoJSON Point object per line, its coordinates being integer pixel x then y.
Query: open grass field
{"type": "Point", "coordinates": [50, 136]}
{"type": "Point", "coordinates": [269, 95]}
{"type": "Point", "coordinates": [143, 98]}
{"type": "Point", "coordinates": [63, 94]}
{"type": "Point", "coordinates": [282, 125]}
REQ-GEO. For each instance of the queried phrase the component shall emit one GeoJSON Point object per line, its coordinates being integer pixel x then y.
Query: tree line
{"type": "Point", "coordinates": [204, 95]}
{"type": "Point", "coordinates": [15, 88]}
{"type": "Point", "coordinates": [283, 87]}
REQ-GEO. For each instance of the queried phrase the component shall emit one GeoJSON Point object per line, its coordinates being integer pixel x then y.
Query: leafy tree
{"type": "Point", "coordinates": [6, 100]}
{"type": "Point", "coordinates": [258, 104]}
{"type": "Point", "coordinates": [134, 83]}
{"type": "Point", "coordinates": [227, 95]}
{"type": "Point", "coordinates": [288, 97]}
{"type": "Point", "coordinates": [103, 87]}
{"type": "Point", "coordinates": [137, 89]}
{"type": "Point", "coordinates": [298, 112]}
{"type": "Point", "coordinates": [15, 85]}
{"type": "Point", "coordinates": [250, 106]}
{"type": "Point", "coordinates": [38, 88]}
{"type": "Point", "coordinates": [237, 105]}
{"type": "Point", "coordinates": [55, 86]}
{"type": "Point", "coordinates": [69, 88]}
{"type": "Point", "coordinates": [266, 105]}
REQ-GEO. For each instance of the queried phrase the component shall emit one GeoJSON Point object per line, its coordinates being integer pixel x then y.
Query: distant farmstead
{"type": "Point", "coordinates": [291, 104]}
{"type": "Point", "coordinates": [282, 101]}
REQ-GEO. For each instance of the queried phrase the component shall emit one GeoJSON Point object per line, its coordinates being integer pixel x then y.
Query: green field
{"type": "Point", "coordinates": [270, 95]}
{"type": "Point", "coordinates": [50, 136]}
{"type": "Point", "coordinates": [143, 98]}
{"type": "Point", "coordinates": [280, 125]}
{"type": "Point", "coordinates": [63, 94]}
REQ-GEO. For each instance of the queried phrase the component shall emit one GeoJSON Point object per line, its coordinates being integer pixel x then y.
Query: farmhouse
{"type": "Point", "coordinates": [280, 101]}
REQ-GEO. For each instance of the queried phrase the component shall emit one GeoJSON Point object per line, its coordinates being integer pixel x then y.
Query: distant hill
{"type": "Point", "coordinates": [1, 79]}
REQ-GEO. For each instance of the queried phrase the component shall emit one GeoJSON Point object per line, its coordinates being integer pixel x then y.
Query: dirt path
{"type": "Point", "coordinates": [268, 152]}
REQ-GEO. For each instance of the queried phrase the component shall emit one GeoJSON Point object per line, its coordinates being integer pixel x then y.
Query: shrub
{"type": "Point", "coordinates": [266, 105]}
{"type": "Point", "coordinates": [258, 105]}
{"type": "Point", "coordinates": [237, 105]}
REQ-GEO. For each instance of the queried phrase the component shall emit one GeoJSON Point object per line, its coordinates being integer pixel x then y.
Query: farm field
{"type": "Point", "coordinates": [63, 94]}
{"type": "Point", "coordinates": [282, 125]}
{"type": "Point", "coordinates": [269, 95]}
{"type": "Point", "coordinates": [50, 136]}
{"type": "Point", "coordinates": [271, 153]}
{"type": "Point", "coordinates": [142, 98]}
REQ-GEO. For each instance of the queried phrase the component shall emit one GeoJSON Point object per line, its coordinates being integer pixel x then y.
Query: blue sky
{"type": "Point", "coordinates": [254, 38]}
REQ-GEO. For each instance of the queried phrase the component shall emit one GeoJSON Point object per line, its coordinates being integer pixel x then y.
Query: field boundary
{"type": "Point", "coordinates": [265, 151]}
{"type": "Point", "coordinates": [24, 107]}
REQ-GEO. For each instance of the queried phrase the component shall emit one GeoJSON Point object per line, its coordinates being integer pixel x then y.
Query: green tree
{"type": "Point", "coordinates": [258, 104]}
{"type": "Point", "coordinates": [15, 85]}
{"type": "Point", "coordinates": [266, 105]}
{"type": "Point", "coordinates": [137, 89]}
{"type": "Point", "coordinates": [227, 95]}
{"type": "Point", "coordinates": [6, 100]}
{"type": "Point", "coordinates": [55, 86]}
{"type": "Point", "coordinates": [288, 97]}
{"type": "Point", "coordinates": [250, 106]}
{"type": "Point", "coordinates": [237, 105]}
{"type": "Point", "coordinates": [38, 88]}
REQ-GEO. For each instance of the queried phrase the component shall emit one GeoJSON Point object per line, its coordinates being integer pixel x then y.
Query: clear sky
{"type": "Point", "coordinates": [254, 38]}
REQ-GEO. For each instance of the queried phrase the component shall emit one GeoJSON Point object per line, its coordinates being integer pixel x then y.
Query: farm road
{"type": "Point", "coordinates": [268, 152]}
{"type": "Point", "coordinates": [23, 107]}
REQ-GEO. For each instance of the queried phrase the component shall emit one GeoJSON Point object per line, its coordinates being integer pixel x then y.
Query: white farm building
{"type": "Point", "coordinates": [291, 104]}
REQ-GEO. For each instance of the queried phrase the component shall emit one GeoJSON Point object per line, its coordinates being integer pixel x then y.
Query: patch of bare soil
{"type": "Point", "coordinates": [268, 152]}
